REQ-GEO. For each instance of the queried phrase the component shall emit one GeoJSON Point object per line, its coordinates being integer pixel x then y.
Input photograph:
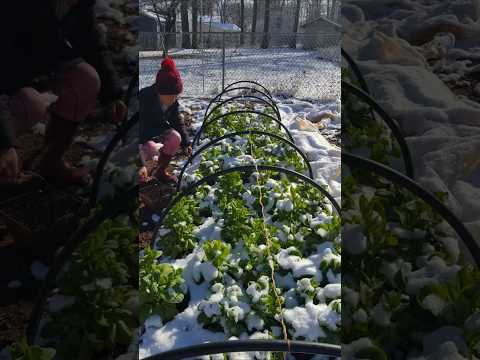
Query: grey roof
{"type": "Point", "coordinates": [324, 19]}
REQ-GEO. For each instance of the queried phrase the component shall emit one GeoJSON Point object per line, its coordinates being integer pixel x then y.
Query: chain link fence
{"type": "Point", "coordinates": [292, 65]}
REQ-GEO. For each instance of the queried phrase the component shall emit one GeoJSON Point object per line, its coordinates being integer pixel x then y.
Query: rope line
{"type": "Point", "coordinates": [269, 246]}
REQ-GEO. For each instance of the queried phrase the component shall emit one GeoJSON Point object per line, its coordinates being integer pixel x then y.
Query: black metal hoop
{"type": "Point", "coordinates": [285, 346]}
{"type": "Point", "coordinates": [238, 133]}
{"type": "Point", "coordinates": [121, 203]}
{"type": "Point", "coordinates": [132, 84]}
{"type": "Point", "coordinates": [247, 168]}
{"type": "Point", "coordinates": [392, 125]}
{"type": "Point", "coordinates": [205, 124]}
{"type": "Point", "coordinates": [272, 105]}
{"type": "Point", "coordinates": [120, 136]}
{"type": "Point", "coordinates": [265, 92]}
{"type": "Point", "coordinates": [127, 99]}
{"type": "Point", "coordinates": [117, 138]}
{"type": "Point", "coordinates": [356, 70]}
{"type": "Point", "coordinates": [416, 189]}
{"type": "Point", "coordinates": [229, 88]}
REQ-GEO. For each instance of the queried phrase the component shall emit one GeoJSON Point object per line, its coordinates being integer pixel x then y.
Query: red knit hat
{"type": "Point", "coordinates": [168, 80]}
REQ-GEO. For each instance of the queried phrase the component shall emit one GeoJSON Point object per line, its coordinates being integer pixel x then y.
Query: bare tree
{"type": "Point", "coordinates": [194, 23]}
{"type": "Point", "coordinates": [266, 26]}
{"type": "Point", "coordinates": [242, 21]}
{"type": "Point", "coordinates": [296, 20]}
{"type": "Point", "coordinates": [334, 11]}
{"type": "Point", "coordinates": [166, 14]}
{"type": "Point", "coordinates": [185, 25]}
{"type": "Point", "coordinates": [222, 10]}
{"type": "Point", "coordinates": [476, 5]}
{"type": "Point", "coordinates": [254, 21]}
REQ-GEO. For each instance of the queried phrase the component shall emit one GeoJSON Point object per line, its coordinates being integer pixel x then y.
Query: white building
{"type": "Point", "coordinates": [150, 31]}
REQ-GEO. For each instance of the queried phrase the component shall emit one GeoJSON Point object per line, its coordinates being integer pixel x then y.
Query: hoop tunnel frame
{"type": "Point", "coordinates": [396, 132]}
{"type": "Point", "coordinates": [205, 124]}
{"type": "Point", "coordinates": [229, 88]}
{"type": "Point", "coordinates": [399, 179]}
{"type": "Point", "coordinates": [218, 98]}
{"type": "Point", "coordinates": [189, 190]}
{"type": "Point", "coordinates": [290, 346]}
{"type": "Point", "coordinates": [117, 138]}
{"type": "Point", "coordinates": [356, 71]}
{"type": "Point", "coordinates": [267, 92]}
{"type": "Point", "coordinates": [245, 132]}
{"type": "Point", "coordinates": [209, 111]}
{"type": "Point", "coordinates": [120, 135]}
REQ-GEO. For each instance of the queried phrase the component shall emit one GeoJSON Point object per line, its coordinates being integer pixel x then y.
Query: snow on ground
{"type": "Point", "coordinates": [184, 329]}
{"type": "Point", "coordinates": [298, 73]}
{"type": "Point", "coordinates": [443, 129]}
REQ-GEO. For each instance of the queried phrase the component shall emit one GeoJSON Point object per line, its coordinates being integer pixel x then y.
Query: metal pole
{"type": "Point", "coordinates": [223, 61]}
{"type": "Point", "coordinates": [201, 46]}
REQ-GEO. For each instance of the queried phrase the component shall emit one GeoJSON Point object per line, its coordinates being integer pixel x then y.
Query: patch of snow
{"type": "Point", "coordinates": [299, 266]}
{"type": "Point", "coordinates": [306, 321]}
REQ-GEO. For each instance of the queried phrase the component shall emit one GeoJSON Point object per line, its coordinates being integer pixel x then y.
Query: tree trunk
{"type": "Point", "coordinates": [333, 10]}
{"type": "Point", "coordinates": [266, 26]}
{"type": "Point", "coordinates": [161, 39]}
{"type": "Point", "coordinates": [221, 10]}
{"type": "Point", "coordinates": [296, 20]}
{"type": "Point", "coordinates": [170, 23]}
{"type": "Point", "coordinates": [194, 24]}
{"type": "Point", "coordinates": [242, 21]}
{"type": "Point", "coordinates": [254, 21]}
{"type": "Point", "coordinates": [209, 30]}
{"type": "Point", "coordinates": [185, 25]}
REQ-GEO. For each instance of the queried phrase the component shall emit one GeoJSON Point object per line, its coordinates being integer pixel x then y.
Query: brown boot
{"type": "Point", "coordinates": [161, 171]}
{"type": "Point", "coordinates": [59, 136]}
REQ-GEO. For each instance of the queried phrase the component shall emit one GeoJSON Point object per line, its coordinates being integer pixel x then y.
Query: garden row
{"type": "Point", "coordinates": [411, 282]}
{"type": "Point", "coordinates": [249, 249]}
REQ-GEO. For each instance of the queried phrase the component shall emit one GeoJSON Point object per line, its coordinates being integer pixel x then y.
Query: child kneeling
{"type": "Point", "coordinates": [162, 131]}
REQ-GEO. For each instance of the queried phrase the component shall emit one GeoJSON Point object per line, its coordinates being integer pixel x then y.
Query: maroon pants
{"type": "Point", "coordinates": [77, 89]}
{"type": "Point", "coordinates": [169, 143]}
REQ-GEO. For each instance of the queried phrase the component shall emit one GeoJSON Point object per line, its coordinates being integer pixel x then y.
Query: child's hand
{"type": "Point", "coordinates": [143, 175]}
{"type": "Point", "coordinates": [150, 149]}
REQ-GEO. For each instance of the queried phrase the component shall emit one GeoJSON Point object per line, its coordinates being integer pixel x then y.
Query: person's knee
{"type": "Point", "coordinates": [85, 77]}
{"type": "Point", "coordinates": [77, 92]}
{"type": "Point", "coordinates": [171, 142]}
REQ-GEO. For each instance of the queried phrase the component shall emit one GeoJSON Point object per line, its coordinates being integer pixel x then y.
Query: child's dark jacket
{"type": "Point", "coordinates": [154, 121]}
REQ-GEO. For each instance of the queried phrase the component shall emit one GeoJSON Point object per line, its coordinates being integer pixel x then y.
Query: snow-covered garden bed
{"type": "Point", "coordinates": [254, 254]}
{"type": "Point", "coordinates": [409, 284]}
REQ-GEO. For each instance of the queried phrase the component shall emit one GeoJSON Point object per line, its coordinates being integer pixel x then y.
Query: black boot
{"type": "Point", "coordinates": [161, 171]}
{"type": "Point", "coordinates": [59, 136]}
